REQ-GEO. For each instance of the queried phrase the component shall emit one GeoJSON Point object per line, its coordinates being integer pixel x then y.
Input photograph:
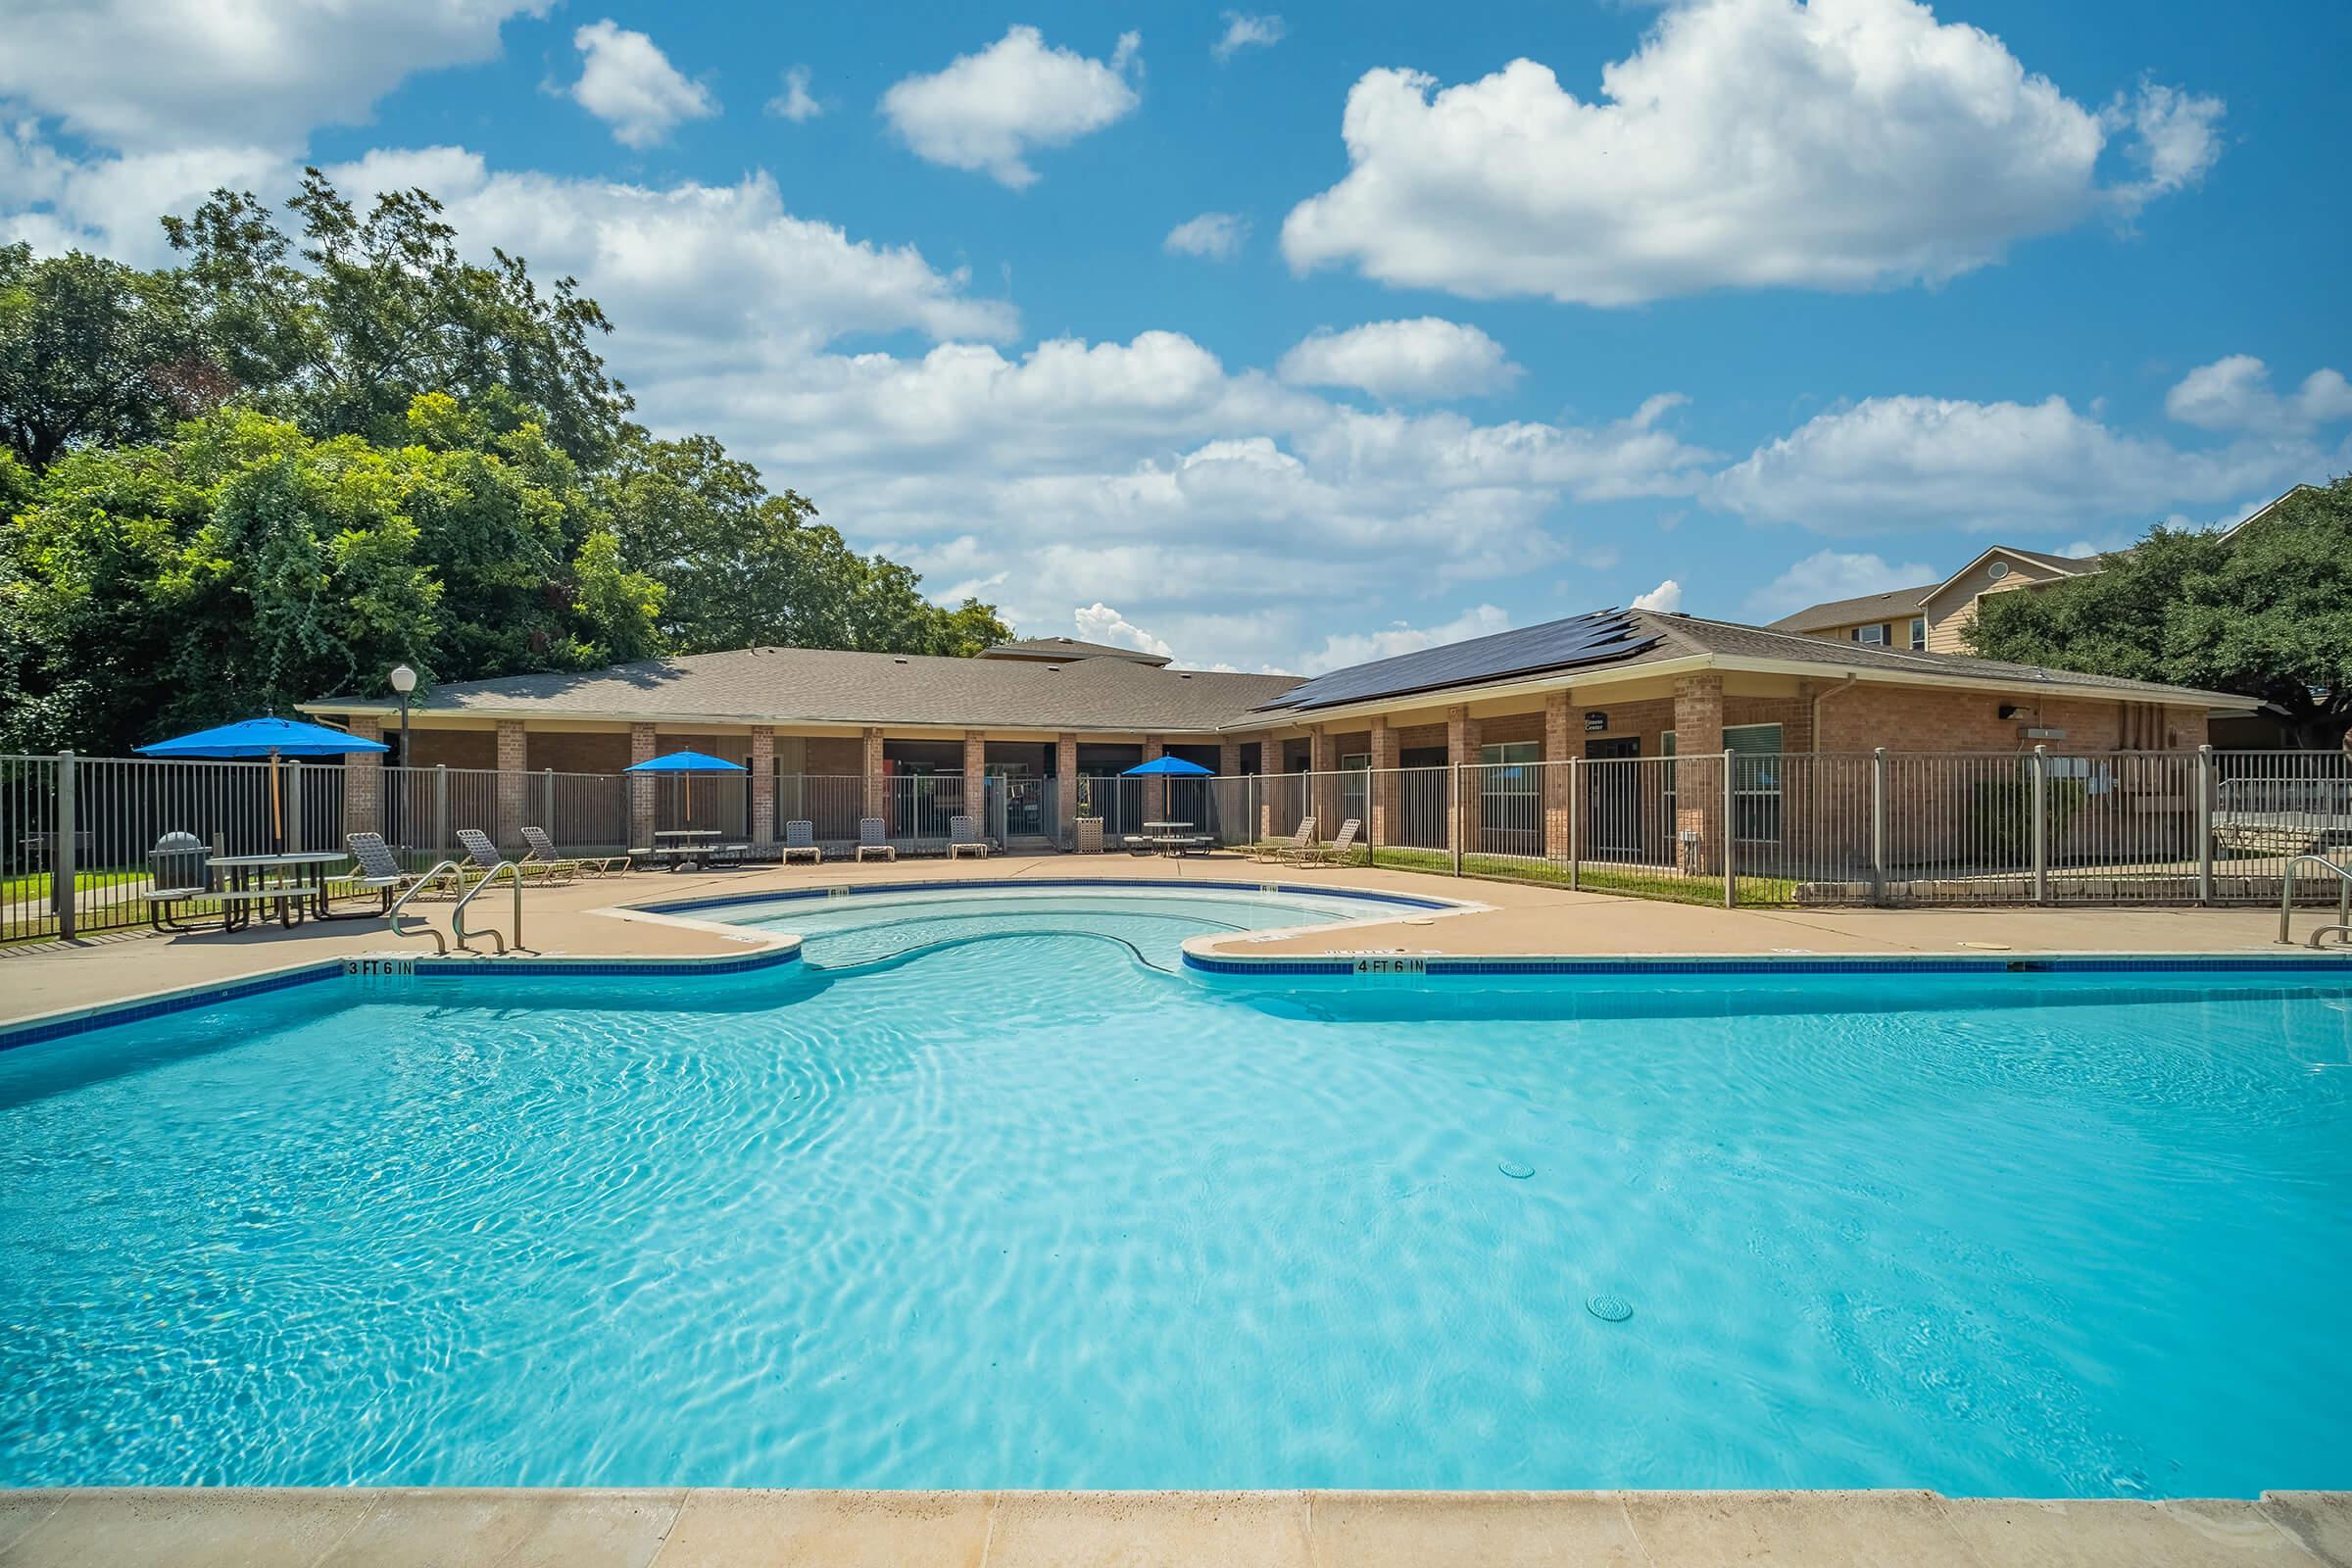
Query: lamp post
{"type": "Point", "coordinates": [404, 681]}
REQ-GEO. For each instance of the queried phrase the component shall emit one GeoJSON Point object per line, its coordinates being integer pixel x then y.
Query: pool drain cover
{"type": "Point", "coordinates": [1609, 1309]}
{"type": "Point", "coordinates": [1516, 1170]}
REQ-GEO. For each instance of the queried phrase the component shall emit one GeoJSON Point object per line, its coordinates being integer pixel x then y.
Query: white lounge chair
{"type": "Point", "coordinates": [1333, 853]}
{"type": "Point", "coordinates": [543, 853]}
{"type": "Point", "coordinates": [874, 839]}
{"type": "Point", "coordinates": [800, 837]}
{"type": "Point", "coordinates": [485, 858]}
{"type": "Point", "coordinates": [380, 871]}
{"type": "Point", "coordinates": [1281, 850]}
{"type": "Point", "coordinates": [962, 838]}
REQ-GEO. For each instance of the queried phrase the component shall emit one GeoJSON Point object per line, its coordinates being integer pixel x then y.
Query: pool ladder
{"type": "Point", "coordinates": [465, 896]}
{"type": "Point", "coordinates": [2342, 929]}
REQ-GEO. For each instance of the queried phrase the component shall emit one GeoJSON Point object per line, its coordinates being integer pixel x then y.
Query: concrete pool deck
{"type": "Point", "coordinates": [697, 1528]}
{"type": "Point", "coordinates": [585, 919]}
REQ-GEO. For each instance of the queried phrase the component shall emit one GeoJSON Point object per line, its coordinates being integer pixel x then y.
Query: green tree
{"type": "Point", "coordinates": [2265, 613]}
{"type": "Point", "coordinates": [382, 308]}
{"type": "Point", "coordinates": [93, 353]}
{"type": "Point", "coordinates": [744, 567]}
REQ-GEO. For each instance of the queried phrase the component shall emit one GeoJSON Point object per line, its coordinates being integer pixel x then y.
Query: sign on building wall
{"type": "Point", "coordinates": [1596, 724]}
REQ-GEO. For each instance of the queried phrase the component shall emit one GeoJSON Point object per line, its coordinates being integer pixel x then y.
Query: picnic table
{"type": "Point", "coordinates": [295, 883]}
{"type": "Point", "coordinates": [1170, 838]}
{"type": "Point", "coordinates": [685, 847]}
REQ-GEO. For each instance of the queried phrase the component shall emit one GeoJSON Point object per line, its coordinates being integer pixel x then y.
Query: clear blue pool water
{"type": "Point", "coordinates": [1029, 1211]}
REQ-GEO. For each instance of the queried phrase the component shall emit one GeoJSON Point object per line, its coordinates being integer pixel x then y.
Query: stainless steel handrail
{"type": "Point", "coordinates": [456, 915]}
{"type": "Point", "coordinates": [392, 916]}
{"type": "Point", "coordinates": [2287, 900]}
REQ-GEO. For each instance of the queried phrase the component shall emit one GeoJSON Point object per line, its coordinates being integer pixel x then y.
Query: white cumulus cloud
{"type": "Point", "coordinates": [1219, 236]}
{"type": "Point", "coordinates": [1889, 464]}
{"type": "Point", "coordinates": [1400, 360]}
{"type": "Point", "coordinates": [1827, 574]}
{"type": "Point", "coordinates": [159, 75]}
{"type": "Point", "coordinates": [628, 83]}
{"type": "Point", "coordinates": [795, 103]}
{"type": "Point", "coordinates": [1098, 622]}
{"type": "Point", "coordinates": [1842, 144]}
{"type": "Point", "coordinates": [1356, 648]}
{"type": "Point", "coordinates": [2233, 393]}
{"type": "Point", "coordinates": [1665, 598]}
{"type": "Point", "coordinates": [986, 110]}
{"type": "Point", "coordinates": [1245, 31]}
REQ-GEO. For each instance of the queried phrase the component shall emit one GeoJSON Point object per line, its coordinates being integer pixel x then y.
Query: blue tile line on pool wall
{"type": "Point", "coordinates": [436, 968]}
{"type": "Point", "coordinates": [1433, 964]}
{"type": "Point", "coordinates": [1407, 901]}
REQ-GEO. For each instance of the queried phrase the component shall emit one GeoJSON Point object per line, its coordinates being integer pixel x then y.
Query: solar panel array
{"type": "Point", "coordinates": [1596, 638]}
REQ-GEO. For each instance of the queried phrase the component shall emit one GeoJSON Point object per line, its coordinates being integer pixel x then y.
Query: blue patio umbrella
{"type": "Point", "coordinates": [1169, 767]}
{"type": "Point", "coordinates": [688, 763]}
{"type": "Point", "coordinates": [270, 737]}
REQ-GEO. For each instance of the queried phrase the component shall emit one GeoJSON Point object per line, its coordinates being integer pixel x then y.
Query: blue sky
{"type": "Point", "coordinates": [1284, 337]}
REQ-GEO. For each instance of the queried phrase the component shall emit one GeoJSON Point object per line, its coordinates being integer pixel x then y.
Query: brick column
{"type": "Point", "coordinates": [1323, 756]}
{"type": "Point", "coordinates": [1463, 788]}
{"type": "Point", "coordinates": [514, 784]}
{"type": "Point", "coordinates": [1559, 736]}
{"type": "Point", "coordinates": [641, 787]}
{"type": "Point", "coordinates": [1066, 784]}
{"type": "Point", "coordinates": [1156, 790]}
{"type": "Point", "coordinates": [1269, 785]}
{"type": "Point", "coordinates": [363, 779]}
{"type": "Point", "coordinates": [1698, 772]}
{"type": "Point", "coordinates": [764, 783]}
{"type": "Point", "coordinates": [877, 786]}
{"type": "Point", "coordinates": [975, 780]}
{"type": "Point", "coordinates": [1229, 796]}
{"type": "Point", "coordinates": [1386, 803]}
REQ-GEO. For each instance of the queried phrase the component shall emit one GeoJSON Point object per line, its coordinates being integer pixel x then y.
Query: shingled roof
{"type": "Point", "coordinates": [1895, 603]}
{"type": "Point", "coordinates": [1060, 648]}
{"type": "Point", "coordinates": [825, 686]}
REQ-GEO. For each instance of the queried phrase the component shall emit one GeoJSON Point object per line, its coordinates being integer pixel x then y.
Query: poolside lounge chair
{"type": "Point", "coordinates": [485, 858]}
{"type": "Point", "coordinates": [962, 838]}
{"type": "Point", "coordinates": [874, 839]}
{"type": "Point", "coordinates": [800, 837]}
{"type": "Point", "coordinates": [1333, 853]}
{"type": "Point", "coordinates": [543, 853]}
{"type": "Point", "coordinates": [1281, 850]}
{"type": "Point", "coordinates": [380, 871]}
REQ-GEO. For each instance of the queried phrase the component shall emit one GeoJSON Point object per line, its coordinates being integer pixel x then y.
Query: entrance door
{"type": "Point", "coordinates": [1613, 799]}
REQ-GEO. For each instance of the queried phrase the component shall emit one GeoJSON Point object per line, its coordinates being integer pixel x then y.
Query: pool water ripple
{"type": "Point", "coordinates": [1027, 1211]}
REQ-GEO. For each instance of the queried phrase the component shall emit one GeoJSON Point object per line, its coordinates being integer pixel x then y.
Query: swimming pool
{"type": "Point", "coordinates": [1033, 1211]}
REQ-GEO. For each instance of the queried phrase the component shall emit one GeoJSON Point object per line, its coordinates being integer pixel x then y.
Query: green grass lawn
{"type": "Point", "coordinates": [1635, 883]}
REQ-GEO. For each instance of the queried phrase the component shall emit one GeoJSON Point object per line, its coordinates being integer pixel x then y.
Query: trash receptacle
{"type": "Point", "coordinates": [176, 862]}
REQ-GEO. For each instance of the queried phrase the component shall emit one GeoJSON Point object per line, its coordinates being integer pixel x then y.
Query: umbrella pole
{"type": "Point", "coordinates": [278, 812]}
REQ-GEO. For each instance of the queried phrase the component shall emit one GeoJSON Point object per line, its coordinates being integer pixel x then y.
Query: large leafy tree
{"type": "Point", "coordinates": [744, 566]}
{"type": "Point", "coordinates": [341, 326]}
{"type": "Point", "coordinates": [93, 353]}
{"type": "Point", "coordinates": [2265, 613]}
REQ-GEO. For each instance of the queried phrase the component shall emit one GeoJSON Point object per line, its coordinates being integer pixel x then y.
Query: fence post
{"type": "Point", "coordinates": [440, 809]}
{"type": "Point", "coordinates": [1877, 824]}
{"type": "Point", "coordinates": [1453, 817]}
{"type": "Point", "coordinates": [2040, 770]}
{"type": "Point", "coordinates": [1730, 874]}
{"type": "Point", "coordinates": [61, 859]}
{"type": "Point", "coordinates": [1575, 818]}
{"type": "Point", "coordinates": [2204, 824]}
{"type": "Point", "coordinates": [296, 840]}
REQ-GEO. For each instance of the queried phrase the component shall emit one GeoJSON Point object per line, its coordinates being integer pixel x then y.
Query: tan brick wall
{"type": "Point", "coordinates": [763, 784]}
{"type": "Point", "coordinates": [877, 782]}
{"type": "Point", "coordinates": [514, 784]}
{"type": "Point", "coordinates": [1464, 737]}
{"type": "Point", "coordinates": [1387, 794]}
{"type": "Point", "coordinates": [579, 751]}
{"type": "Point", "coordinates": [641, 790]}
{"type": "Point", "coordinates": [454, 748]}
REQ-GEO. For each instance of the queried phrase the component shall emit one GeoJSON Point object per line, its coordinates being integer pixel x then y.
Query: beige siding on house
{"type": "Point", "coordinates": [1948, 610]}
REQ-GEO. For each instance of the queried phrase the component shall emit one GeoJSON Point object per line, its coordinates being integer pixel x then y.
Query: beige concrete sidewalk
{"type": "Point", "coordinates": [1519, 921]}
{"type": "Point", "coordinates": [677, 1528]}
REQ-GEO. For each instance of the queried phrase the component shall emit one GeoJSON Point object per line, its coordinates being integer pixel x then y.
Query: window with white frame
{"type": "Point", "coordinates": [1919, 631]}
{"type": "Point", "coordinates": [1511, 819]}
{"type": "Point", "coordinates": [1755, 781]}
{"type": "Point", "coordinates": [1875, 636]}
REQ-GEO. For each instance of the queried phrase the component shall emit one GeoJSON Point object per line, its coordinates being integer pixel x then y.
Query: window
{"type": "Point", "coordinates": [1997, 570]}
{"type": "Point", "coordinates": [1875, 635]}
{"type": "Point", "coordinates": [1755, 780]}
{"type": "Point", "coordinates": [1510, 819]}
{"type": "Point", "coordinates": [1919, 631]}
